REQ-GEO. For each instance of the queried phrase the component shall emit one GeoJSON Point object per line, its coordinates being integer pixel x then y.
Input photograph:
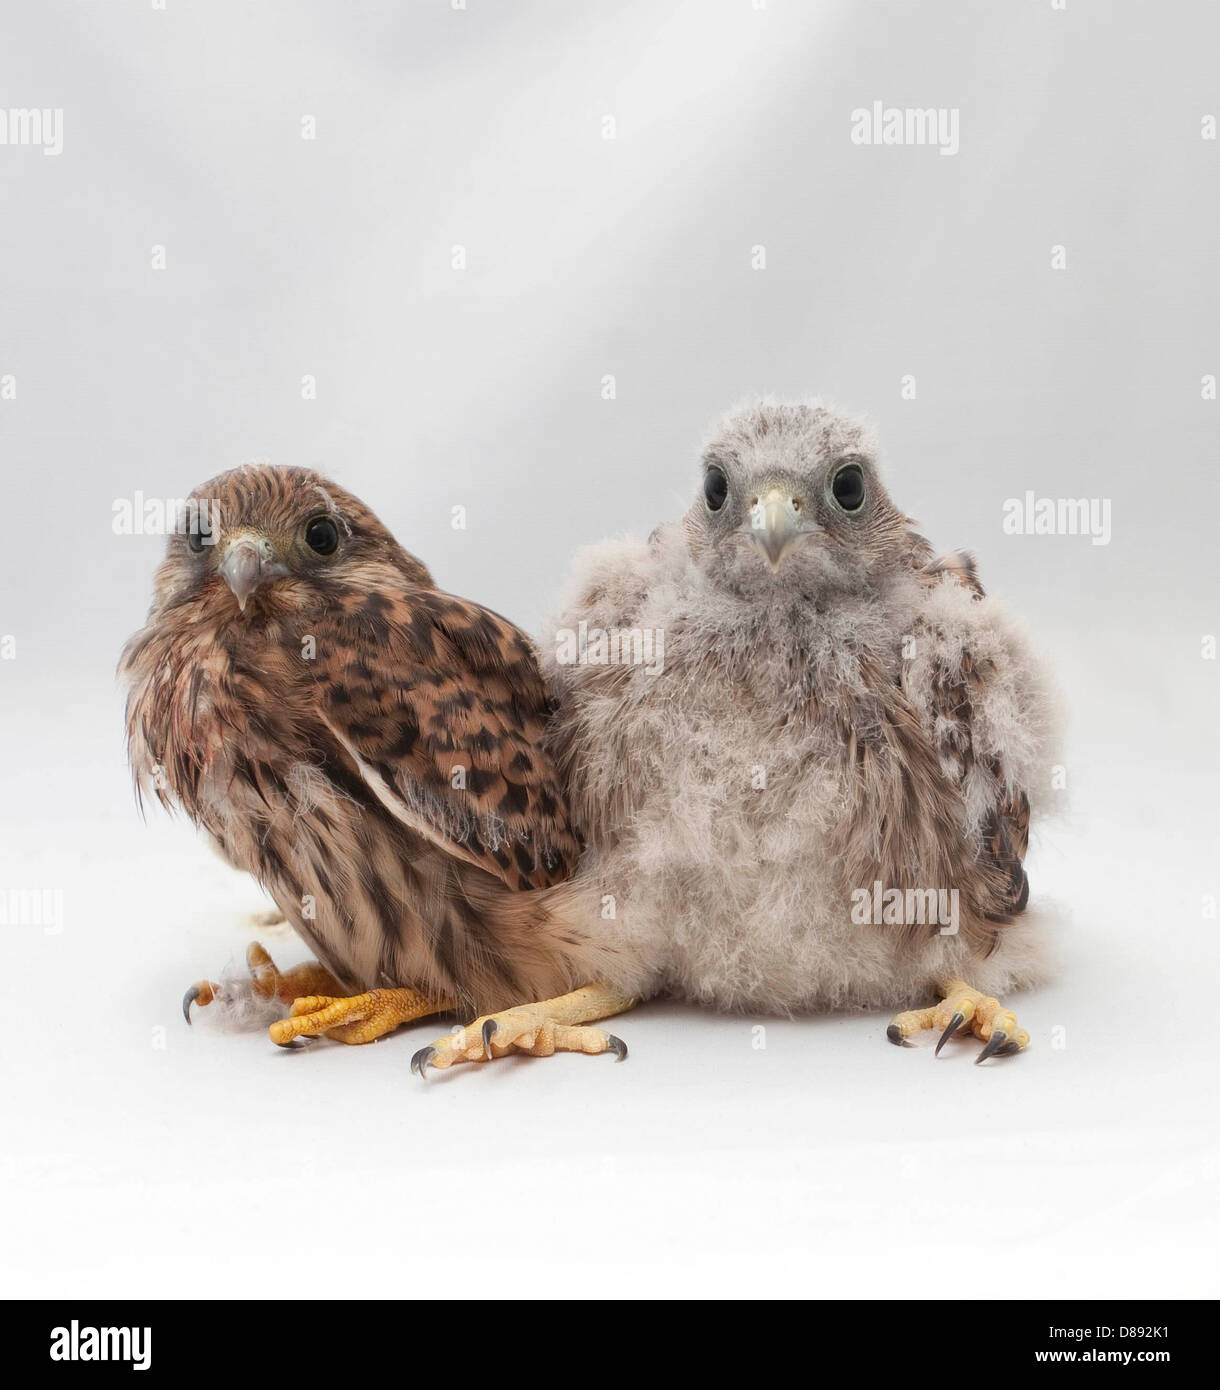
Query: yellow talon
{"type": "Point", "coordinates": [554, 1025]}
{"type": "Point", "coordinates": [360, 1018]}
{"type": "Point", "coordinates": [962, 1006]}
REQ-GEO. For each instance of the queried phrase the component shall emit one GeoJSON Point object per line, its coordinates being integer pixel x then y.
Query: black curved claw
{"type": "Point", "coordinates": [994, 1043]}
{"type": "Point", "coordinates": [489, 1032]}
{"type": "Point", "coordinates": [954, 1024]}
{"type": "Point", "coordinates": [894, 1033]}
{"type": "Point", "coordinates": [419, 1063]}
{"type": "Point", "coordinates": [187, 1000]}
{"type": "Point", "coordinates": [1009, 1049]}
{"type": "Point", "coordinates": [618, 1047]}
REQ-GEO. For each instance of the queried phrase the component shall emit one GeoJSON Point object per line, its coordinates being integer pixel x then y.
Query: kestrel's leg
{"type": "Point", "coordinates": [316, 1002]}
{"type": "Point", "coordinates": [960, 1004]}
{"type": "Point", "coordinates": [360, 1018]}
{"type": "Point", "coordinates": [267, 981]}
{"type": "Point", "coordinates": [553, 1025]}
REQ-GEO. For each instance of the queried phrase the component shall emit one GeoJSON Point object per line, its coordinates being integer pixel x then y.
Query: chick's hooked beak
{"type": "Point", "coordinates": [777, 521]}
{"type": "Point", "coordinates": [249, 562]}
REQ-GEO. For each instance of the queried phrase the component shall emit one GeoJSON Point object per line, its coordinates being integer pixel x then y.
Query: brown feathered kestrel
{"type": "Point", "coordinates": [365, 745]}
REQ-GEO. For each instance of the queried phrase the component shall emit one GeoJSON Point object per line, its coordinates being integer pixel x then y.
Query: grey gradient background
{"type": "Point", "coordinates": [1082, 1165]}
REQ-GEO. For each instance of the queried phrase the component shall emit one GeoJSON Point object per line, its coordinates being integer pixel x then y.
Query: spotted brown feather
{"type": "Point", "coordinates": [443, 704]}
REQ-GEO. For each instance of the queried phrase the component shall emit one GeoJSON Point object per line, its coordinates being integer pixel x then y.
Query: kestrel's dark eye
{"type": "Point", "coordinates": [197, 537]}
{"type": "Point", "coordinates": [715, 488]}
{"type": "Point", "coordinates": [848, 487]}
{"type": "Point", "coordinates": [322, 535]}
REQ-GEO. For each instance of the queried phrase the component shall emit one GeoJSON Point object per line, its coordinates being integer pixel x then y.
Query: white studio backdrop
{"type": "Point", "coordinates": [514, 258]}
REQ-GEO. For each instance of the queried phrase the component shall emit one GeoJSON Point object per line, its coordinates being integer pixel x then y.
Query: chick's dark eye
{"type": "Point", "coordinates": [715, 488]}
{"type": "Point", "coordinates": [322, 535]}
{"type": "Point", "coordinates": [848, 487]}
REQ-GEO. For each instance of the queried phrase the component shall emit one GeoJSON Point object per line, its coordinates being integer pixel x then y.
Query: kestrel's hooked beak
{"type": "Point", "coordinates": [777, 521]}
{"type": "Point", "coordinates": [249, 562]}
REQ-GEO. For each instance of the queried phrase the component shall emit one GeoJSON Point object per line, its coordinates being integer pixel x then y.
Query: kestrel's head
{"type": "Point", "coordinates": [264, 539]}
{"type": "Point", "coordinates": [790, 500]}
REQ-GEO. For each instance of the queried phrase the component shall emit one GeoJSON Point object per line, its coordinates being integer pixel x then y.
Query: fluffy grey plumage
{"type": "Point", "coordinates": [836, 708]}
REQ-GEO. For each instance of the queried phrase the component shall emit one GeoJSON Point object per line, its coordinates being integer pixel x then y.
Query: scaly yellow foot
{"type": "Point", "coordinates": [554, 1025]}
{"type": "Point", "coordinates": [268, 982]}
{"type": "Point", "coordinates": [960, 1004]}
{"type": "Point", "coordinates": [358, 1019]}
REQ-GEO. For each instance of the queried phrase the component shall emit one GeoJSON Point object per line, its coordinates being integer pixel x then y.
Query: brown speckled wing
{"type": "Point", "coordinates": [960, 565]}
{"type": "Point", "coordinates": [442, 704]}
{"type": "Point", "coordinates": [1004, 833]}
